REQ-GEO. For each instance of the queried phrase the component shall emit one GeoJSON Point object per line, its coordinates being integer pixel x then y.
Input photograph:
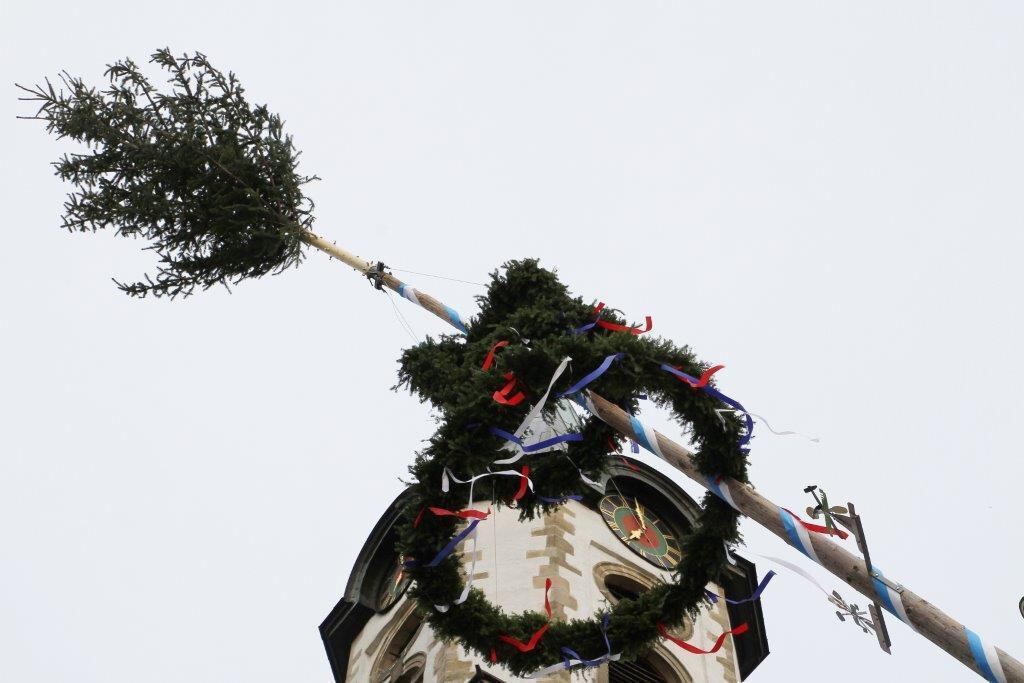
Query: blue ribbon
{"type": "Point", "coordinates": [753, 596]}
{"type": "Point", "coordinates": [590, 377]}
{"type": "Point", "coordinates": [458, 538]}
{"type": "Point", "coordinates": [540, 445]}
{"type": "Point", "coordinates": [715, 393]}
{"type": "Point", "coordinates": [589, 326]}
{"type": "Point", "coordinates": [568, 652]}
{"type": "Point", "coordinates": [559, 501]}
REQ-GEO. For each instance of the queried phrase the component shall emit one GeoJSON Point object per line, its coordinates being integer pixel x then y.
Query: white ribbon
{"type": "Point", "coordinates": [555, 668]}
{"type": "Point", "coordinates": [534, 424]}
{"type": "Point", "coordinates": [766, 424]}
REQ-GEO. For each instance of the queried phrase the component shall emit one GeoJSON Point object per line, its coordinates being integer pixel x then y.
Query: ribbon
{"type": "Point", "coordinates": [787, 432]}
{"type": "Point", "coordinates": [697, 383]}
{"type": "Point", "coordinates": [615, 449]}
{"type": "Point", "coordinates": [411, 294]}
{"type": "Point", "coordinates": [502, 395]}
{"type": "Point", "coordinates": [797, 533]}
{"type": "Point", "coordinates": [538, 634]}
{"type": "Point", "coordinates": [457, 539]}
{"type": "Point", "coordinates": [419, 516]}
{"type": "Point", "coordinates": [613, 327]}
{"type": "Point", "coordinates": [711, 391]}
{"type": "Point", "coordinates": [753, 596]}
{"type": "Point", "coordinates": [468, 513]}
{"type": "Point", "coordinates": [819, 529]}
{"type": "Point", "coordinates": [646, 436]}
{"type": "Point", "coordinates": [742, 628]}
{"type": "Point", "coordinates": [534, 447]}
{"type": "Point", "coordinates": [986, 657]}
{"type": "Point", "coordinates": [594, 374]}
{"type": "Point", "coordinates": [720, 487]}
{"type": "Point", "coordinates": [590, 326]}
{"type": "Point", "coordinates": [635, 331]}
{"type": "Point", "coordinates": [571, 658]}
{"type": "Point", "coordinates": [489, 359]}
{"type": "Point", "coordinates": [560, 501]}
{"type": "Point", "coordinates": [522, 483]}
{"type": "Point", "coordinates": [465, 513]}
{"type": "Point", "coordinates": [447, 477]}
{"type": "Point", "coordinates": [536, 410]}
{"type": "Point", "coordinates": [889, 599]}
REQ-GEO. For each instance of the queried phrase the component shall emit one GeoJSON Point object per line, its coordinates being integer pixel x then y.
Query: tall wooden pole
{"type": "Point", "coordinates": [951, 636]}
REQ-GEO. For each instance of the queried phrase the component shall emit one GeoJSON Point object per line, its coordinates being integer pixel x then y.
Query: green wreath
{"type": "Point", "coordinates": [529, 307]}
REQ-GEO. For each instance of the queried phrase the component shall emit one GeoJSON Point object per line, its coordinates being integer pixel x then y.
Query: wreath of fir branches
{"type": "Point", "coordinates": [527, 302]}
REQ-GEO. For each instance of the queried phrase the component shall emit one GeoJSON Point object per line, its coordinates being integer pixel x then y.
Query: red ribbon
{"type": "Point", "coordinates": [489, 360]}
{"type": "Point", "coordinates": [464, 514]}
{"type": "Point", "coordinates": [538, 634]}
{"type": "Point", "coordinates": [502, 395]}
{"type": "Point", "coordinates": [615, 449]}
{"type": "Point", "coordinates": [419, 516]}
{"type": "Point", "coordinates": [742, 628]}
{"type": "Point", "coordinates": [615, 327]}
{"type": "Point", "coordinates": [523, 482]}
{"type": "Point", "coordinates": [819, 529]}
{"type": "Point", "coordinates": [703, 381]}
{"type": "Point", "coordinates": [494, 656]}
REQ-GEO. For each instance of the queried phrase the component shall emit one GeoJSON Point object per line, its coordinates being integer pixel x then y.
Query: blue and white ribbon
{"type": "Point", "coordinates": [646, 436]}
{"type": "Point", "coordinates": [798, 536]}
{"type": "Point", "coordinates": [888, 598]}
{"type": "Point", "coordinates": [986, 657]}
{"type": "Point", "coordinates": [720, 487]}
{"type": "Point", "coordinates": [407, 292]}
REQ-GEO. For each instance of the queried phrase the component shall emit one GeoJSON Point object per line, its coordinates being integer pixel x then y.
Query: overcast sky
{"type": "Point", "coordinates": [825, 197]}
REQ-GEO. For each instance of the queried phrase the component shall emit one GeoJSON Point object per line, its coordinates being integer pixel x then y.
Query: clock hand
{"type": "Point", "coordinates": [640, 515]}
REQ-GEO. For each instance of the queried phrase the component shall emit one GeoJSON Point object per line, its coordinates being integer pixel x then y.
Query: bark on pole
{"type": "Point", "coordinates": [951, 636]}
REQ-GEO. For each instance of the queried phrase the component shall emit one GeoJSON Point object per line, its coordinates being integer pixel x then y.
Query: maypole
{"type": "Point", "coordinates": [958, 640]}
{"type": "Point", "coordinates": [212, 183]}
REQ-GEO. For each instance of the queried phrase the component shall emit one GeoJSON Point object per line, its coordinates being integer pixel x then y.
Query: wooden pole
{"type": "Point", "coordinates": [988, 661]}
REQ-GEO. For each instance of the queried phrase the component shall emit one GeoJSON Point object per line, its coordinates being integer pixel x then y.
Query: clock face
{"type": "Point", "coordinates": [393, 587]}
{"type": "Point", "coordinates": [641, 530]}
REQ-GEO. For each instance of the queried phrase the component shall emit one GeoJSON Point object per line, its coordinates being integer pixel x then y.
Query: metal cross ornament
{"type": "Point", "coordinates": [847, 517]}
{"type": "Point", "coordinates": [853, 611]}
{"type": "Point", "coordinates": [822, 508]}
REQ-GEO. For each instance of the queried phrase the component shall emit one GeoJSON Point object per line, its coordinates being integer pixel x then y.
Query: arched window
{"type": "Point", "coordinates": [413, 670]}
{"type": "Point", "coordinates": [391, 664]}
{"type": "Point", "coordinates": [651, 668]}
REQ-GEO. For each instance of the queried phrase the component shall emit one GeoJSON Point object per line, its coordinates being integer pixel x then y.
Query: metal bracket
{"type": "Point", "coordinates": [891, 584]}
{"type": "Point", "coordinates": [376, 275]}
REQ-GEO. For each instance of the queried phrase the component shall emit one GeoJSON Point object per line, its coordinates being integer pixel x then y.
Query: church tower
{"type": "Point", "coordinates": [592, 557]}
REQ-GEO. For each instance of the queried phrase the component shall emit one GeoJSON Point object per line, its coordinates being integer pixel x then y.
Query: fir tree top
{"type": "Point", "coordinates": [210, 180]}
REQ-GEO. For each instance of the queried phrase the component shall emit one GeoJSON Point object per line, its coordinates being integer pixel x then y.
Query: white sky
{"type": "Point", "coordinates": [826, 197]}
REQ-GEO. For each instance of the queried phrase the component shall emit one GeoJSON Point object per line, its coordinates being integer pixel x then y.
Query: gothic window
{"type": "Point", "coordinates": [391, 664]}
{"type": "Point", "coordinates": [649, 669]}
{"type": "Point", "coordinates": [413, 670]}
